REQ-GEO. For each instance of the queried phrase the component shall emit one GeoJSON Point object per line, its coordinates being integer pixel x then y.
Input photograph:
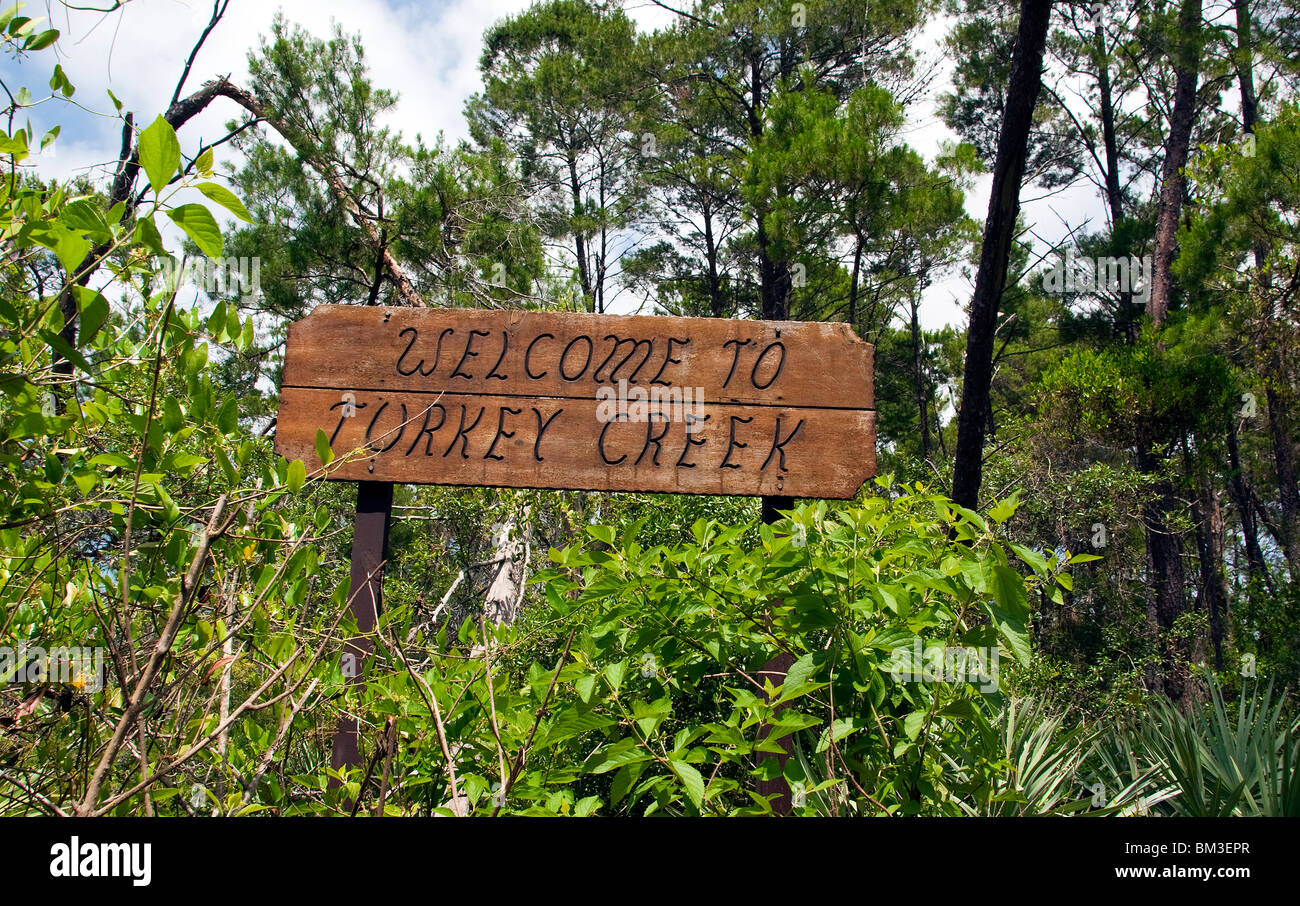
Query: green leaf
{"type": "Point", "coordinates": [15, 144]}
{"type": "Point", "coordinates": [798, 680]}
{"type": "Point", "coordinates": [93, 315]}
{"type": "Point", "coordinates": [584, 686]}
{"type": "Point", "coordinates": [228, 416]}
{"type": "Point", "coordinates": [71, 250]}
{"type": "Point", "coordinates": [173, 418]}
{"type": "Point", "coordinates": [160, 153]}
{"type": "Point", "coordinates": [199, 224]}
{"type": "Point", "coordinates": [204, 163]}
{"type": "Point", "coordinates": [146, 233]}
{"type": "Point", "coordinates": [575, 722]}
{"type": "Point", "coordinates": [43, 40]}
{"type": "Point", "coordinates": [63, 348]}
{"type": "Point", "coordinates": [83, 215]}
{"type": "Point", "coordinates": [1008, 587]}
{"type": "Point", "coordinates": [323, 451]}
{"type": "Point", "coordinates": [297, 475]}
{"type": "Point", "coordinates": [612, 757]}
{"type": "Point", "coordinates": [801, 670]}
{"type": "Point", "coordinates": [1004, 509]}
{"type": "Point", "coordinates": [113, 459]}
{"type": "Point", "coordinates": [85, 481]}
{"type": "Point", "coordinates": [226, 198]}
{"type": "Point", "coordinates": [1036, 561]}
{"type": "Point", "coordinates": [184, 462]}
{"type": "Point", "coordinates": [614, 673]}
{"type": "Point", "coordinates": [558, 602]}
{"type": "Point", "coordinates": [961, 709]}
{"type": "Point", "coordinates": [624, 780]}
{"type": "Point", "coordinates": [691, 781]}
{"type": "Point", "coordinates": [602, 533]}
{"type": "Point", "coordinates": [1010, 609]}
{"type": "Point", "coordinates": [59, 82]}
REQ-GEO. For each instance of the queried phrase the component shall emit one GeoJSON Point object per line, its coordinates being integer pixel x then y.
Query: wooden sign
{"type": "Point", "coordinates": [586, 402]}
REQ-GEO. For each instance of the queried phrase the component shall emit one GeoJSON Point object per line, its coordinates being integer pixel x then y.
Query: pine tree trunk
{"type": "Point", "coordinates": [1246, 67]}
{"type": "Point", "coordinates": [1208, 518]}
{"type": "Point", "coordinates": [999, 232]}
{"type": "Point", "coordinates": [1284, 462]}
{"type": "Point", "coordinates": [1127, 316]}
{"type": "Point", "coordinates": [1164, 561]}
{"type": "Point", "coordinates": [918, 366]}
{"type": "Point", "coordinates": [1114, 195]}
{"type": "Point", "coordinates": [853, 284]}
{"type": "Point", "coordinates": [1257, 570]}
{"type": "Point", "coordinates": [716, 305]}
{"type": "Point", "coordinates": [579, 240]}
{"type": "Point", "coordinates": [1173, 185]}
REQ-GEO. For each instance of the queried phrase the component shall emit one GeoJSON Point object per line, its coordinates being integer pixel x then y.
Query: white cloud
{"type": "Point", "coordinates": [428, 54]}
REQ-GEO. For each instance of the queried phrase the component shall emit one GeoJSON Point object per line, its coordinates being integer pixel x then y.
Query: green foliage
{"type": "Point", "coordinates": [1216, 764]}
{"type": "Point", "coordinates": [115, 453]}
{"type": "Point", "coordinates": [659, 701]}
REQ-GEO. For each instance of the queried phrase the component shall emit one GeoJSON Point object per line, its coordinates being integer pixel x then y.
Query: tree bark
{"type": "Point", "coordinates": [1284, 462]}
{"type": "Point", "coordinates": [918, 365]}
{"type": "Point", "coordinates": [1127, 319]}
{"type": "Point", "coordinates": [1173, 184]}
{"type": "Point", "coordinates": [186, 109]}
{"type": "Point", "coordinates": [853, 284]}
{"type": "Point", "coordinates": [1257, 569]}
{"type": "Point", "coordinates": [579, 240]}
{"type": "Point", "coordinates": [1164, 562]}
{"type": "Point", "coordinates": [999, 233]}
{"type": "Point", "coordinates": [1246, 67]}
{"type": "Point", "coordinates": [1164, 547]}
{"type": "Point", "coordinates": [1208, 518]}
{"type": "Point", "coordinates": [1114, 194]}
{"type": "Point", "coordinates": [1279, 416]}
{"type": "Point", "coordinates": [774, 276]}
{"type": "Point", "coordinates": [1279, 420]}
{"type": "Point", "coordinates": [121, 191]}
{"type": "Point", "coordinates": [716, 306]}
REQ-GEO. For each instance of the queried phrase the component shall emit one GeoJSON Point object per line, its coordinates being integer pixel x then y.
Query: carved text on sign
{"type": "Point", "coordinates": [560, 400]}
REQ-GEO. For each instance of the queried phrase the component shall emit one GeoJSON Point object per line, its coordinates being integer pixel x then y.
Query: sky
{"type": "Point", "coordinates": [425, 50]}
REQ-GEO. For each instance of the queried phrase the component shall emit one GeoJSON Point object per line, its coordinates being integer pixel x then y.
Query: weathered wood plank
{"type": "Point", "coordinates": [562, 354]}
{"type": "Point", "coordinates": [497, 441]}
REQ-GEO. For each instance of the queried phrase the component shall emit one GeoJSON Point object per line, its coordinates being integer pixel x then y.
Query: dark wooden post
{"type": "Point", "coordinates": [775, 670]}
{"type": "Point", "coordinates": [771, 506]}
{"type": "Point", "coordinates": [369, 551]}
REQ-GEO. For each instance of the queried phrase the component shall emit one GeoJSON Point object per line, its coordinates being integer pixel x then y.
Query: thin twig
{"type": "Point", "coordinates": [541, 712]}
{"type": "Point", "coordinates": [162, 648]}
{"type": "Point", "coordinates": [432, 702]}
